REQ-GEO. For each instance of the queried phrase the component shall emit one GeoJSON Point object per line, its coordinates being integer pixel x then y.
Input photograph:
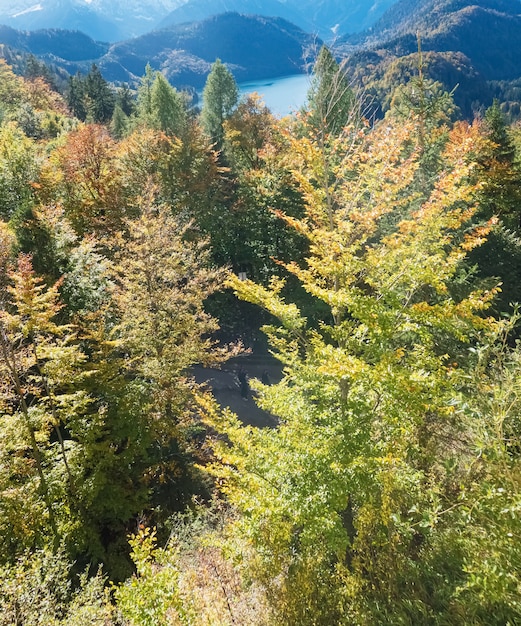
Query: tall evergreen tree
{"type": "Point", "coordinates": [331, 102]}
{"type": "Point", "coordinates": [144, 95]}
{"type": "Point", "coordinates": [126, 100]}
{"type": "Point", "coordinates": [100, 96]}
{"type": "Point", "coordinates": [168, 107]}
{"type": "Point", "coordinates": [75, 97]}
{"type": "Point", "coordinates": [118, 123]}
{"type": "Point", "coordinates": [220, 96]}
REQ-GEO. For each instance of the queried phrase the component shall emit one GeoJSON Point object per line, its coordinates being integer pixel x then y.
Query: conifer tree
{"type": "Point", "coordinates": [99, 96]}
{"type": "Point", "coordinates": [331, 103]}
{"type": "Point", "coordinates": [119, 122]}
{"type": "Point", "coordinates": [220, 96]}
{"type": "Point", "coordinates": [76, 97]}
{"type": "Point", "coordinates": [168, 107]}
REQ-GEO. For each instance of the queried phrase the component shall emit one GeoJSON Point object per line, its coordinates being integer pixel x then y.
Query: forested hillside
{"type": "Point", "coordinates": [253, 47]}
{"type": "Point", "coordinates": [141, 239]}
{"type": "Point", "coordinates": [471, 48]}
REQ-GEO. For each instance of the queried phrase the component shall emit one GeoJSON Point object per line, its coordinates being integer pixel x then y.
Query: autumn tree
{"type": "Point", "coordinates": [376, 450]}
{"type": "Point", "coordinates": [161, 280]}
{"type": "Point", "coordinates": [39, 365]}
{"type": "Point", "coordinates": [83, 174]}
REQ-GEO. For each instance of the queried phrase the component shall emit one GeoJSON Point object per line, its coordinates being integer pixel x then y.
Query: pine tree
{"type": "Point", "coordinates": [99, 96]}
{"type": "Point", "coordinates": [76, 97]}
{"type": "Point", "coordinates": [168, 107]}
{"type": "Point", "coordinates": [220, 96]}
{"type": "Point", "coordinates": [331, 103]}
{"type": "Point", "coordinates": [119, 123]}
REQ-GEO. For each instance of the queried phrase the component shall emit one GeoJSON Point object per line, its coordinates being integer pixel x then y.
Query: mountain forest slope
{"type": "Point", "coordinates": [116, 20]}
{"type": "Point", "coordinates": [146, 246]}
{"type": "Point", "coordinates": [469, 46]}
{"type": "Point", "coordinates": [254, 47]}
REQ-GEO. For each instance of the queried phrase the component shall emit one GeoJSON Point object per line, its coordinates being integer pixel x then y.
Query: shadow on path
{"type": "Point", "coordinates": [227, 389]}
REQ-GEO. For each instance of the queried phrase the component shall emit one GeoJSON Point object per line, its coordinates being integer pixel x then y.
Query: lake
{"type": "Point", "coordinates": [282, 95]}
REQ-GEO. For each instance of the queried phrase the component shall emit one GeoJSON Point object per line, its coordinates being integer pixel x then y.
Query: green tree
{"type": "Point", "coordinates": [119, 123]}
{"type": "Point", "coordinates": [331, 103]}
{"type": "Point", "coordinates": [431, 107]}
{"type": "Point", "coordinates": [75, 97]}
{"type": "Point", "coordinates": [144, 96]}
{"type": "Point", "coordinates": [168, 107]}
{"type": "Point", "coordinates": [126, 100]}
{"type": "Point", "coordinates": [501, 194]}
{"type": "Point", "coordinates": [220, 95]}
{"type": "Point", "coordinates": [352, 523]}
{"type": "Point", "coordinates": [18, 169]}
{"type": "Point", "coordinates": [99, 97]}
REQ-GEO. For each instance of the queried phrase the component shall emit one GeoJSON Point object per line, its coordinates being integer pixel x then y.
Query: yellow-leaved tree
{"type": "Point", "coordinates": [353, 507]}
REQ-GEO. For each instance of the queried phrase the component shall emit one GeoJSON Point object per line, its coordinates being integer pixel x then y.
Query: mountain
{"type": "Point", "coordinates": [410, 16]}
{"type": "Point", "coordinates": [253, 47]}
{"type": "Point", "coordinates": [64, 44]}
{"type": "Point", "coordinates": [105, 20]}
{"type": "Point", "coordinates": [470, 45]}
{"type": "Point", "coordinates": [326, 18]}
{"type": "Point", "coordinates": [338, 17]}
{"type": "Point", "coordinates": [198, 10]}
{"type": "Point", "coordinates": [59, 14]}
{"type": "Point", "coordinates": [115, 20]}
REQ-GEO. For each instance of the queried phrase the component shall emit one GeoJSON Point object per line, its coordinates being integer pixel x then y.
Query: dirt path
{"type": "Point", "coordinates": [229, 392]}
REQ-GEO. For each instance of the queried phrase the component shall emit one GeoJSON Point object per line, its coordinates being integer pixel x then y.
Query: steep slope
{"type": "Point", "coordinates": [337, 17]}
{"type": "Point", "coordinates": [326, 18]}
{"type": "Point", "coordinates": [254, 47]}
{"type": "Point", "coordinates": [471, 44]}
{"type": "Point", "coordinates": [410, 16]}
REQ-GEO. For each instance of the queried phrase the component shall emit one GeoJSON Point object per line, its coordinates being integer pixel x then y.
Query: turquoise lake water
{"type": "Point", "coordinates": [283, 95]}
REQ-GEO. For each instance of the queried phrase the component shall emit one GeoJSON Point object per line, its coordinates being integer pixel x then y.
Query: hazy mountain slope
{"type": "Point", "coordinates": [471, 45]}
{"type": "Point", "coordinates": [341, 16]}
{"type": "Point", "coordinates": [326, 18]}
{"type": "Point", "coordinates": [63, 14]}
{"type": "Point", "coordinates": [253, 46]}
{"type": "Point", "coordinates": [68, 45]}
{"type": "Point", "coordinates": [107, 20]}
{"type": "Point", "coordinates": [197, 10]}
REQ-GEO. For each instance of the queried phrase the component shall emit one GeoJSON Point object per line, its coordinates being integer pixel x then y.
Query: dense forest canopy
{"type": "Point", "coordinates": [141, 238]}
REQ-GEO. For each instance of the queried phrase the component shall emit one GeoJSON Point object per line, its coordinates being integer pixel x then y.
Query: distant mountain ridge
{"type": "Point", "coordinates": [470, 45]}
{"type": "Point", "coordinates": [253, 47]}
{"type": "Point", "coordinates": [65, 44]}
{"type": "Point", "coordinates": [326, 18]}
{"type": "Point", "coordinates": [117, 20]}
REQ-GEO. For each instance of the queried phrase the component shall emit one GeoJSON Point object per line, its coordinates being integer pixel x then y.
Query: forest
{"type": "Point", "coordinates": [378, 260]}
